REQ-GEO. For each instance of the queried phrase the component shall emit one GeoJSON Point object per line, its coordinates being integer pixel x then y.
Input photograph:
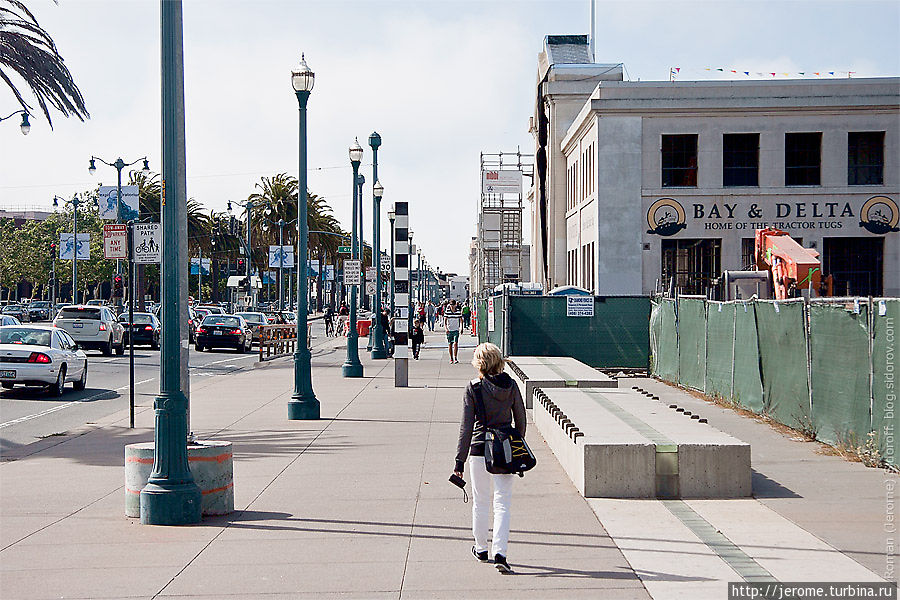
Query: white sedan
{"type": "Point", "coordinates": [36, 355]}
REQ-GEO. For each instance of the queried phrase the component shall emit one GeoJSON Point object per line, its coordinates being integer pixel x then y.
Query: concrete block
{"type": "Point", "coordinates": [617, 443]}
{"type": "Point", "coordinates": [211, 464]}
{"type": "Point", "coordinates": [533, 372]}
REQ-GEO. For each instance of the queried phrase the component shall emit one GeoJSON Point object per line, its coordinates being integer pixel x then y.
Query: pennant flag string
{"type": "Point", "coordinates": [676, 71]}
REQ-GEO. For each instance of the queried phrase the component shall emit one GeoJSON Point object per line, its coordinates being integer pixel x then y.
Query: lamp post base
{"type": "Point", "coordinates": [351, 370]}
{"type": "Point", "coordinates": [170, 504]}
{"type": "Point", "coordinates": [378, 353]}
{"type": "Point", "coordinates": [303, 409]}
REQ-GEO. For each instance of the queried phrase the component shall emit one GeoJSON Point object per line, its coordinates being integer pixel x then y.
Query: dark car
{"type": "Point", "coordinates": [255, 320]}
{"type": "Point", "coordinates": [39, 310]}
{"type": "Point", "coordinates": [223, 331]}
{"type": "Point", "coordinates": [144, 328]}
{"type": "Point", "coordinates": [16, 310]}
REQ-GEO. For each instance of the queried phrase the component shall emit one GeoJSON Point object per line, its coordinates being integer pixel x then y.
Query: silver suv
{"type": "Point", "coordinates": [92, 327]}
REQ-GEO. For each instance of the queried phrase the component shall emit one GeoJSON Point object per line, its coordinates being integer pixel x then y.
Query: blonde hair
{"type": "Point", "coordinates": [488, 359]}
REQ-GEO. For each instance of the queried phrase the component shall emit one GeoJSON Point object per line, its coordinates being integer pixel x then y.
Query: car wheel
{"type": "Point", "coordinates": [241, 348]}
{"type": "Point", "coordinates": [81, 383]}
{"type": "Point", "coordinates": [154, 344]}
{"type": "Point", "coordinates": [7, 385]}
{"type": "Point", "coordinates": [57, 388]}
{"type": "Point", "coordinates": [198, 347]}
{"type": "Point", "coordinates": [120, 349]}
{"type": "Point", "coordinates": [108, 348]}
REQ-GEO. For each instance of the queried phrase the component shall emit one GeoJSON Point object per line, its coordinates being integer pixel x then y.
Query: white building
{"type": "Point", "coordinates": [647, 183]}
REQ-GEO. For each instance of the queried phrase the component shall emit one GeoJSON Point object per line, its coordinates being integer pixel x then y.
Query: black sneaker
{"type": "Point", "coordinates": [501, 564]}
{"type": "Point", "coordinates": [482, 556]}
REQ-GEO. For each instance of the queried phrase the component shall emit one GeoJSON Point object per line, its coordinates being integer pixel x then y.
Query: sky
{"type": "Point", "coordinates": [441, 82]}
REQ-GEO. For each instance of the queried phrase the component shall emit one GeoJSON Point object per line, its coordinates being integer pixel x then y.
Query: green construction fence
{"type": "Point", "coordinates": [616, 336]}
{"type": "Point", "coordinates": [826, 366]}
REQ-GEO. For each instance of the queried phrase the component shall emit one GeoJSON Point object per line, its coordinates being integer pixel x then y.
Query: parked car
{"type": "Point", "coordinates": [40, 355]}
{"type": "Point", "coordinates": [213, 309]}
{"type": "Point", "coordinates": [9, 320]}
{"type": "Point", "coordinates": [254, 319]}
{"type": "Point", "coordinates": [145, 328]}
{"type": "Point", "coordinates": [92, 327]}
{"type": "Point", "coordinates": [224, 331]}
{"type": "Point", "coordinates": [97, 302]}
{"type": "Point", "coordinates": [39, 310]}
{"type": "Point", "coordinates": [16, 310]}
{"type": "Point", "coordinates": [58, 307]}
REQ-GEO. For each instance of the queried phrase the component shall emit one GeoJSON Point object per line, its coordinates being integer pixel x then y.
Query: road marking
{"type": "Point", "coordinates": [136, 383]}
{"type": "Point", "coordinates": [53, 410]}
{"type": "Point", "coordinates": [223, 361]}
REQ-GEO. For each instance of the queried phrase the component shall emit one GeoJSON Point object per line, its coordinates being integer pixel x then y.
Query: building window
{"type": "Point", "coordinates": [865, 158]}
{"type": "Point", "coordinates": [679, 160]}
{"type": "Point", "coordinates": [748, 254]}
{"type": "Point", "coordinates": [693, 266]}
{"type": "Point", "coordinates": [740, 159]}
{"type": "Point", "coordinates": [802, 158]}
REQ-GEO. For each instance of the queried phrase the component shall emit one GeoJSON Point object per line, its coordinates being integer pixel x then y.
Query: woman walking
{"type": "Point", "coordinates": [492, 400]}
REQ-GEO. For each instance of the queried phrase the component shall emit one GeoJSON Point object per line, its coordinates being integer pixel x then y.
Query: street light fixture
{"type": "Point", "coordinates": [25, 126]}
{"type": "Point", "coordinates": [377, 337]}
{"type": "Point", "coordinates": [119, 164]}
{"type": "Point", "coordinates": [75, 202]}
{"type": "Point", "coordinates": [352, 367]}
{"type": "Point", "coordinates": [303, 403]}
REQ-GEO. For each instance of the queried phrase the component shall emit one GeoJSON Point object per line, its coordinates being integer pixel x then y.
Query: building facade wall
{"type": "Point", "coordinates": [630, 197]}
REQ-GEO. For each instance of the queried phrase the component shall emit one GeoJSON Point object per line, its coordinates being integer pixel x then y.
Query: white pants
{"type": "Point", "coordinates": [481, 500]}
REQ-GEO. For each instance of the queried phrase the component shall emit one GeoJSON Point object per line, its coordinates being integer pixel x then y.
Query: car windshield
{"type": "Point", "coordinates": [75, 312]}
{"type": "Point", "coordinates": [255, 318]}
{"type": "Point", "coordinates": [8, 310]}
{"type": "Point", "coordinates": [41, 304]}
{"type": "Point", "coordinates": [140, 318]}
{"type": "Point", "coordinates": [25, 336]}
{"type": "Point", "coordinates": [220, 320]}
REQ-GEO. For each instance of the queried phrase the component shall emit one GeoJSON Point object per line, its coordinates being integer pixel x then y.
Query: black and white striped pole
{"type": "Point", "coordinates": [401, 294]}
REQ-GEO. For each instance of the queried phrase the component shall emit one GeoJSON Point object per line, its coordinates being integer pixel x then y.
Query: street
{"type": "Point", "coordinates": [29, 414]}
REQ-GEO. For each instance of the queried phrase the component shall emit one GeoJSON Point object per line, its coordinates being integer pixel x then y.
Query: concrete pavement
{"type": "Point", "coordinates": [356, 505]}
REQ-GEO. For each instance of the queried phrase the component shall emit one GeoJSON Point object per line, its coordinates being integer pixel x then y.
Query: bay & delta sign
{"type": "Point", "coordinates": [878, 215]}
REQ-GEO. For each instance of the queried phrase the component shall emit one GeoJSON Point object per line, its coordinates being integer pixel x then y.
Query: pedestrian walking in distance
{"type": "Point", "coordinates": [418, 338]}
{"type": "Point", "coordinates": [503, 405]}
{"type": "Point", "coordinates": [452, 321]}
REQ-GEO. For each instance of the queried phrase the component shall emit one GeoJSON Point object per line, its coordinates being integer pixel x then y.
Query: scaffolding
{"type": "Point", "coordinates": [499, 240]}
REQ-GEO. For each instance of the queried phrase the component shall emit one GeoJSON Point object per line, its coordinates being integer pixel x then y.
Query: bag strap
{"type": "Point", "coordinates": [479, 404]}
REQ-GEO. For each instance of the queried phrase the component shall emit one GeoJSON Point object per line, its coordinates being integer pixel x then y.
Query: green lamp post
{"type": "Point", "coordinates": [352, 367]}
{"type": "Point", "coordinates": [303, 403]}
{"type": "Point", "coordinates": [171, 497]}
{"type": "Point", "coordinates": [379, 349]}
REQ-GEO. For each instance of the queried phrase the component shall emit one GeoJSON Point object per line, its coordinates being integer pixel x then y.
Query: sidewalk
{"type": "Point", "coordinates": [355, 505]}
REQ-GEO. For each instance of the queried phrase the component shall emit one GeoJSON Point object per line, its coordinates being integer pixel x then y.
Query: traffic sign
{"type": "Point", "coordinates": [147, 243]}
{"type": "Point", "coordinates": [352, 272]}
{"type": "Point", "coordinates": [385, 264]}
{"type": "Point", "coordinates": [370, 273]}
{"type": "Point", "coordinates": [115, 241]}
{"type": "Point", "coordinates": [370, 288]}
{"type": "Point", "coordinates": [345, 250]}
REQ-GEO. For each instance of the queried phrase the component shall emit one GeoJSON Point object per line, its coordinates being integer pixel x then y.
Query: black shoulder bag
{"type": "Point", "coordinates": [505, 450]}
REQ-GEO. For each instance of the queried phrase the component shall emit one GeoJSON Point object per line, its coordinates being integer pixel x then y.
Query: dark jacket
{"type": "Point", "coordinates": [502, 404]}
{"type": "Point", "coordinates": [418, 335]}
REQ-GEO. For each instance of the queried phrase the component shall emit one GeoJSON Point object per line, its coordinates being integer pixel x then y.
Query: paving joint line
{"type": "Point", "coordinates": [412, 526]}
{"type": "Point", "coordinates": [275, 478]}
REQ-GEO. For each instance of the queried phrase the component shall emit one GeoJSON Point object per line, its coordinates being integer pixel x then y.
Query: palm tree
{"type": "Point", "coordinates": [29, 52]}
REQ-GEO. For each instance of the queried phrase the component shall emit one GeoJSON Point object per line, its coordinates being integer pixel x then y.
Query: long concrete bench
{"type": "Point", "coordinates": [617, 443]}
{"type": "Point", "coordinates": [554, 372]}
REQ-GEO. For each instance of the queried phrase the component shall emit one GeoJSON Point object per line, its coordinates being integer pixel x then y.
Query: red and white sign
{"type": "Point", "coordinates": [501, 182]}
{"type": "Point", "coordinates": [115, 241]}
